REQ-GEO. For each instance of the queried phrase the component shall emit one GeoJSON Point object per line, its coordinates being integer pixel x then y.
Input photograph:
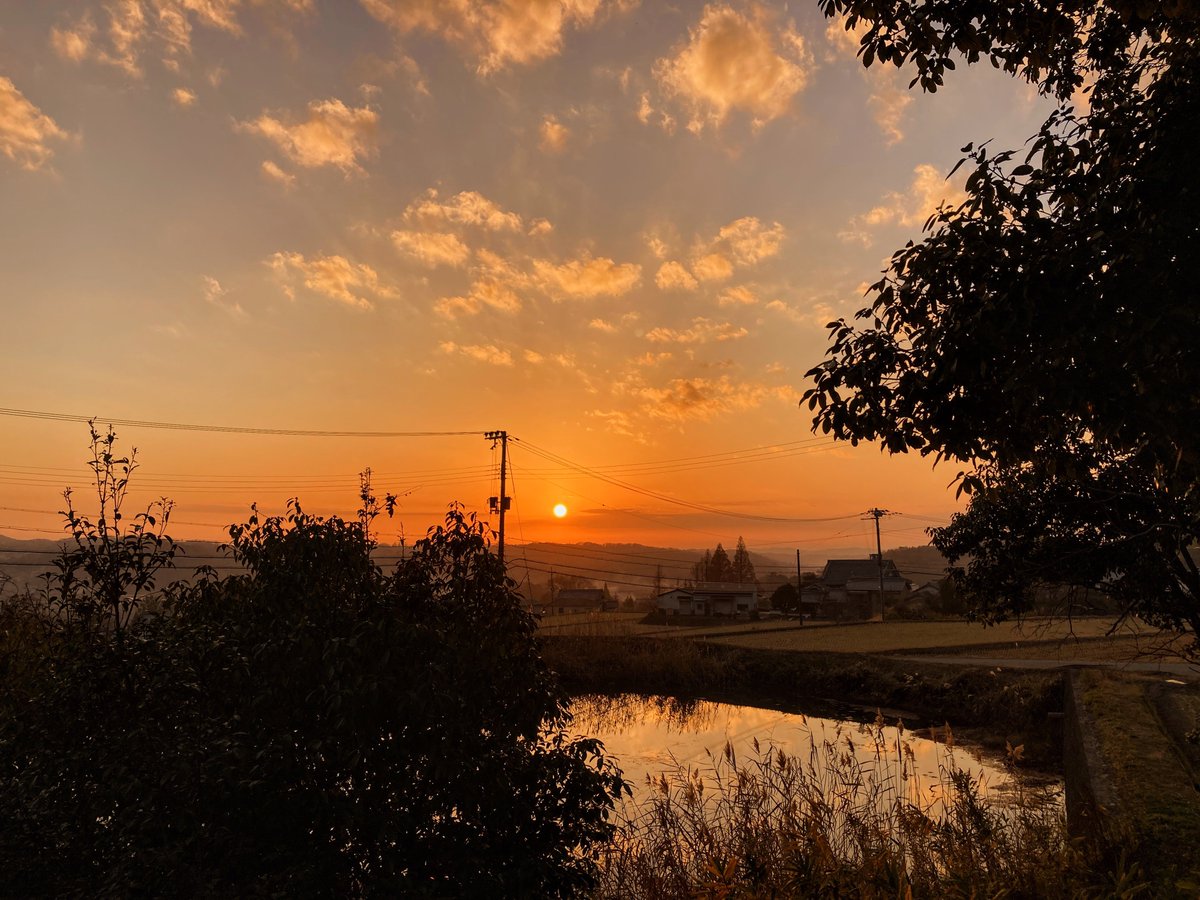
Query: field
{"type": "Point", "coordinates": [1081, 639]}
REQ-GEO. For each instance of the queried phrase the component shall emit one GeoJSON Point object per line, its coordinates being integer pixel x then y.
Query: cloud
{"type": "Point", "coordinates": [494, 34]}
{"type": "Point", "coordinates": [484, 353]}
{"type": "Point", "coordinates": [702, 331]}
{"type": "Point", "coordinates": [737, 296]}
{"type": "Point", "coordinates": [332, 276]}
{"type": "Point", "coordinates": [712, 267]}
{"type": "Point", "coordinates": [333, 134]}
{"type": "Point", "coordinates": [818, 316]}
{"type": "Point", "coordinates": [540, 226]}
{"type": "Point", "coordinates": [889, 97]}
{"type": "Point", "coordinates": [183, 97]}
{"type": "Point", "coordinates": [673, 276]}
{"type": "Point", "coordinates": [602, 325]}
{"type": "Point", "coordinates": [215, 294]}
{"type": "Point", "coordinates": [701, 399]}
{"type": "Point", "coordinates": [749, 241]}
{"type": "Point", "coordinates": [26, 133]}
{"type": "Point", "coordinates": [484, 293]}
{"type": "Point", "coordinates": [134, 28]}
{"type": "Point", "coordinates": [465, 208]}
{"type": "Point", "coordinates": [586, 278]}
{"type": "Point", "coordinates": [732, 61]}
{"type": "Point", "coordinates": [553, 135]}
{"type": "Point", "coordinates": [272, 171]}
{"type": "Point", "coordinates": [433, 248]}
{"type": "Point", "coordinates": [911, 208]}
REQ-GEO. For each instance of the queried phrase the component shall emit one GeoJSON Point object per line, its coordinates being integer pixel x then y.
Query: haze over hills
{"type": "Point", "coordinates": [625, 568]}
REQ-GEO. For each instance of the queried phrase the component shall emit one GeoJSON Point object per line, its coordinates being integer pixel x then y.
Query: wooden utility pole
{"type": "Point", "coordinates": [500, 504]}
{"type": "Point", "coordinates": [878, 514]}
{"type": "Point", "coordinates": [799, 588]}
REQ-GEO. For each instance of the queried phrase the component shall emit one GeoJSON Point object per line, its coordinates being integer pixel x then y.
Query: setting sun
{"type": "Point", "coordinates": [560, 510]}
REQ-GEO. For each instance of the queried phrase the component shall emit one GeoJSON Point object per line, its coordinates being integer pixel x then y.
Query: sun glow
{"type": "Point", "coordinates": [560, 510]}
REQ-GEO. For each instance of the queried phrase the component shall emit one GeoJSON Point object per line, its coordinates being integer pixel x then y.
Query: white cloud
{"type": "Point", "coordinates": [433, 248]}
{"type": "Point", "coordinates": [733, 61]}
{"type": "Point", "coordinates": [333, 134]}
{"type": "Point", "coordinates": [332, 276]}
{"type": "Point", "coordinates": [26, 133]}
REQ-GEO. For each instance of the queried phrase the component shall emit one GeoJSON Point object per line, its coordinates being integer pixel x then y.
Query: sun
{"type": "Point", "coordinates": [560, 510]}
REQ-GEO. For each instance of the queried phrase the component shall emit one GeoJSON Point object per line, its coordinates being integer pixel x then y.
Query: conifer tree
{"type": "Point", "coordinates": [743, 568]}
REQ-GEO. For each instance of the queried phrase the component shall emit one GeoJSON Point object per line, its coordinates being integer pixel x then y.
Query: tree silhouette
{"type": "Point", "coordinates": [1042, 334]}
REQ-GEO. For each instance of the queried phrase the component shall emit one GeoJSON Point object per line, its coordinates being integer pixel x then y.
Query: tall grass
{"type": "Point", "coordinates": [836, 822]}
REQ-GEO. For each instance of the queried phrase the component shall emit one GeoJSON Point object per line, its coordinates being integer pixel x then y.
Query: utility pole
{"type": "Point", "coordinates": [500, 504]}
{"type": "Point", "coordinates": [878, 514]}
{"type": "Point", "coordinates": [799, 588]}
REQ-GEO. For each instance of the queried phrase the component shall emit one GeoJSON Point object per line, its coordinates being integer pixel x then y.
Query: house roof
{"type": "Point", "coordinates": [579, 597]}
{"type": "Point", "coordinates": [717, 587]}
{"type": "Point", "coordinates": [839, 571]}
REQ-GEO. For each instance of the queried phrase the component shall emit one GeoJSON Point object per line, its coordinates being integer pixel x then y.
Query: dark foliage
{"type": "Point", "coordinates": [314, 727]}
{"type": "Point", "coordinates": [1043, 332]}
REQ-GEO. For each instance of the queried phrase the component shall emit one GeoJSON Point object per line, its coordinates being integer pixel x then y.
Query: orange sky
{"type": "Point", "coordinates": [614, 229]}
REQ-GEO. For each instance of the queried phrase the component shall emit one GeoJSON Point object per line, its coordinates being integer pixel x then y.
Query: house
{"type": "Point", "coordinates": [851, 587]}
{"type": "Point", "coordinates": [578, 600]}
{"type": "Point", "coordinates": [709, 599]}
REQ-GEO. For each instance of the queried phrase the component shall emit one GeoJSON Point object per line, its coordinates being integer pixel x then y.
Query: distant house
{"type": "Point", "coordinates": [851, 587]}
{"type": "Point", "coordinates": [709, 599]}
{"type": "Point", "coordinates": [579, 600]}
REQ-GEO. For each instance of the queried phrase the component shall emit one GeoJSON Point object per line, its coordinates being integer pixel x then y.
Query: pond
{"type": "Point", "coordinates": [662, 740]}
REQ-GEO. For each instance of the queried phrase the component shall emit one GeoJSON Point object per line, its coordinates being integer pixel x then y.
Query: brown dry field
{"type": "Point", "coordinates": [1083, 639]}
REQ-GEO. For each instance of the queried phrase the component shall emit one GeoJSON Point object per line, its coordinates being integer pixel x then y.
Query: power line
{"type": "Point", "coordinates": [228, 429]}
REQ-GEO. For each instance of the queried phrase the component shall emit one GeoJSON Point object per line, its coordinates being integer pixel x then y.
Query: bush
{"type": "Point", "coordinates": [313, 727]}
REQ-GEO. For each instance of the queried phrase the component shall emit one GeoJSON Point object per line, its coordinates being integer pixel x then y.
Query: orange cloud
{"type": "Point", "coordinates": [433, 248]}
{"type": "Point", "coordinates": [586, 278]}
{"type": "Point", "coordinates": [333, 135]}
{"type": "Point", "coordinates": [495, 34]}
{"type": "Point", "coordinates": [889, 98]}
{"type": "Point", "coordinates": [484, 353]}
{"type": "Point", "coordinates": [712, 267]}
{"type": "Point", "coordinates": [26, 133]}
{"type": "Point", "coordinates": [465, 208]}
{"type": "Point", "coordinates": [272, 171]}
{"type": "Point", "coordinates": [332, 276]}
{"type": "Point", "coordinates": [485, 292]}
{"type": "Point", "coordinates": [702, 331]}
{"type": "Point", "coordinates": [732, 61]}
{"type": "Point", "coordinates": [701, 399]}
{"type": "Point", "coordinates": [554, 135]}
{"type": "Point", "coordinates": [910, 208]}
{"type": "Point", "coordinates": [673, 276]}
{"type": "Point", "coordinates": [749, 241]}
{"type": "Point", "coordinates": [737, 296]}
{"type": "Point", "coordinates": [183, 97]}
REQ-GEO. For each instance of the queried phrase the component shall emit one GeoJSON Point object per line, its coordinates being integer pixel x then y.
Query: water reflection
{"type": "Point", "coordinates": [657, 739]}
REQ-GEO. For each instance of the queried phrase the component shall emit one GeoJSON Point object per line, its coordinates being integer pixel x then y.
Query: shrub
{"type": "Point", "coordinates": [313, 727]}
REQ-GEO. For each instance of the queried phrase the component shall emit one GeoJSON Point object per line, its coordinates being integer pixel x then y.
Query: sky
{"type": "Point", "coordinates": [615, 230]}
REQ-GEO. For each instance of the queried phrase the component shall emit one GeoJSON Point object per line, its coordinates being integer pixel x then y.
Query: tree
{"type": "Point", "coordinates": [786, 597]}
{"type": "Point", "coordinates": [742, 567]}
{"type": "Point", "coordinates": [719, 568]}
{"type": "Point", "coordinates": [313, 727]}
{"type": "Point", "coordinates": [1042, 333]}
